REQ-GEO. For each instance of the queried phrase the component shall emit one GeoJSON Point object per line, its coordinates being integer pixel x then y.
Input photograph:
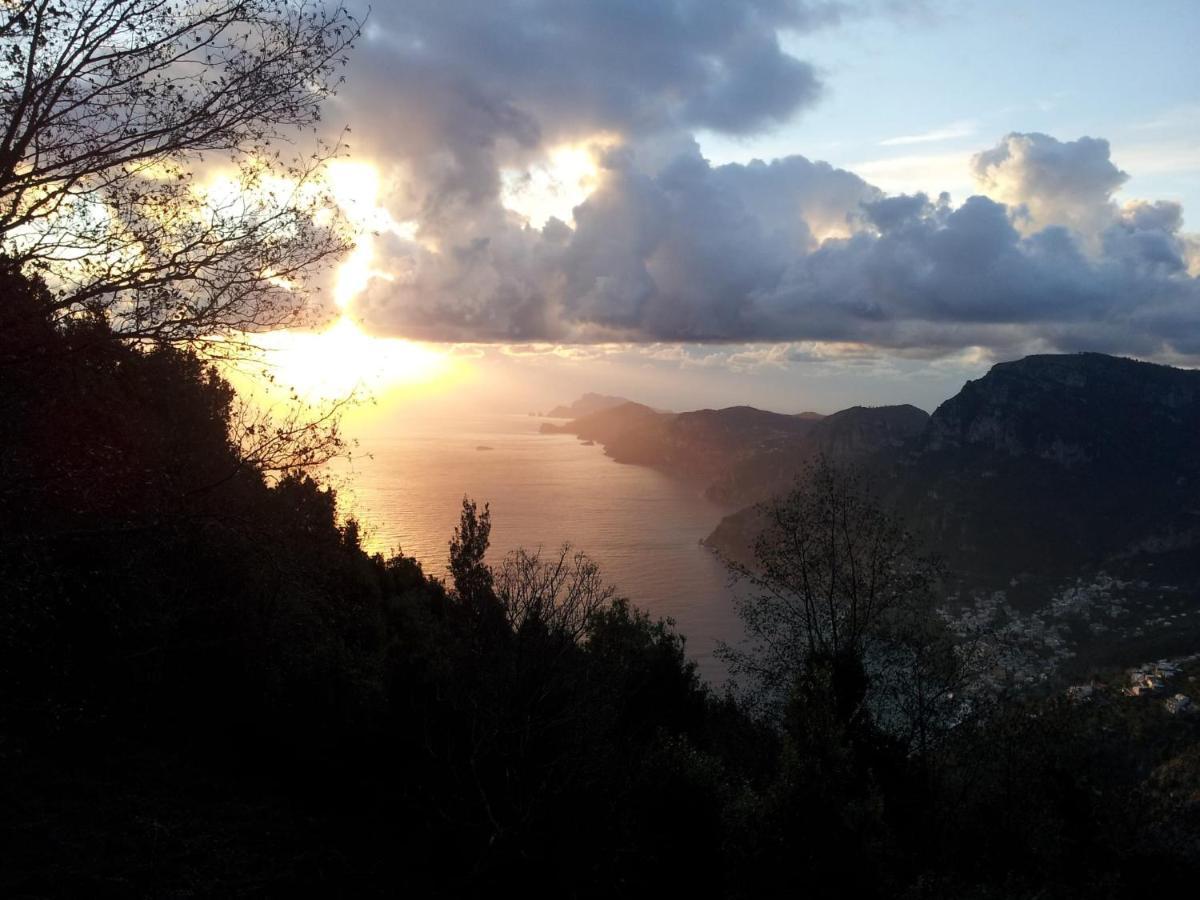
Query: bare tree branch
{"type": "Point", "coordinates": [110, 113]}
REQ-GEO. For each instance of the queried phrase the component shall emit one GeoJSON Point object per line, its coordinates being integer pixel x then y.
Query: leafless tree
{"type": "Point", "coordinates": [288, 436]}
{"type": "Point", "coordinates": [111, 110]}
{"type": "Point", "coordinates": [837, 583]}
{"type": "Point", "coordinates": [561, 592]}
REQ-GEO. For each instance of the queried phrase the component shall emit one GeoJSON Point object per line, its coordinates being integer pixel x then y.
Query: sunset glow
{"type": "Point", "coordinates": [553, 188]}
{"type": "Point", "coordinates": [355, 188]}
{"type": "Point", "coordinates": [600, 449]}
{"type": "Point", "coordinates": [343, 360]}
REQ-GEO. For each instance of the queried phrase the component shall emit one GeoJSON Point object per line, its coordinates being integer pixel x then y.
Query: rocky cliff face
{"type": "Point", "coordinates": [1056, 462]}
{"type": "Point", "coordinates": [1073, 410]}
{"type": "Point", "coordinates": [1049, 466]}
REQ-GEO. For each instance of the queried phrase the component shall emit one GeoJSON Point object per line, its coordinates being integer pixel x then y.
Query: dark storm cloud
{"type": "Point", "coordinates": [678, 255]}
{"type": "Point", "coordinates": [702, 253]}
{"type": "Point", "coordinates": [944, 279]}
{"type": "Point", "coordinates": [449, 91]}
{"type": "Point", "coordinates": [446, 97]}
{"type": "Point", "coordinates": [631, 64]}
{"type": "Point", "coordinates": [714, 239]}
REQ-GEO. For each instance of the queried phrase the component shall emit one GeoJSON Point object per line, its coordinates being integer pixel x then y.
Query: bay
{"type": "Point", "coordinates": [642, 526]}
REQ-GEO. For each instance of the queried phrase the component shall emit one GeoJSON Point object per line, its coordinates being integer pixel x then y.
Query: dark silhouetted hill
{"type": "Point", "coordinates": [740, 454]}
{"type": "Point", "coordinates": [208, 687]}
{"type": "Point", "coordinates": [858, 433]}
{"type": "Point", "coordinates": [1052, 463]}
{"type": "Point", "coordinates": [1048, 465]}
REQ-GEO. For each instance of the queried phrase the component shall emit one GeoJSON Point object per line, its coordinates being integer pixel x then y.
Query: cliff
{"type": "Point", "coordinates": [1047, 466]}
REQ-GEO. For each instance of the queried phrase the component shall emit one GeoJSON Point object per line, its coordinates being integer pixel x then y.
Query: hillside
{"type": "Point", "coordinates": [630, 432]}
{"type": "Point", "coordinates": [1052, 463]}
{"type": "Point", "coordinates": [1063, 494]}
{"type": "Point", "coordinates": [209, 688]}
{"type": "Point", "coordinates": [860, 433]}
{"type": "Point", "coordinates": [740, 454]}
{"type": "Point", "coordinates": [1048, 466]}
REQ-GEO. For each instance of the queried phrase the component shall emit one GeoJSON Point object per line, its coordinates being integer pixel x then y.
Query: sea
{"type": "Point", "coordinates": [644, 527]}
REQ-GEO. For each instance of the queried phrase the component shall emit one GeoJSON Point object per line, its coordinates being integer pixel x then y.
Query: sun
{"type": "Point", "coordinates": [343, 360]}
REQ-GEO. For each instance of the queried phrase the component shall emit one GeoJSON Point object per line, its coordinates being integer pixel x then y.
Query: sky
{"type": "Point", "coordinates": [1123, 71]}
{"type": "Point", "coordinates": [800, 205]}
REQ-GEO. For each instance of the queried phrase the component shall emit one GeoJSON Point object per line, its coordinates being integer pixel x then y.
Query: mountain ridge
{"type": "Point", "coordinates": [737, 453]}
{"type": "Point", "coordinates": [1049, 465]}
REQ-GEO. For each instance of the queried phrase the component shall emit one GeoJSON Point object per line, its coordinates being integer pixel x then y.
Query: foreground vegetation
{"type": "Point", "coordinates": [207, 687]}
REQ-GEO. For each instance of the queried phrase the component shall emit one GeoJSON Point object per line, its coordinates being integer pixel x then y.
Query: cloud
{"type": "Point", "coordinates": [1059, 183]}
{"type": "Point", "coordinates": [961, 129]}
{"type": "Point", "coordinates": [452, 92]}
{"type": "Point", "coordinates": [677, 255]}
{"type": "Point", "coordinates": [697, 253]}
{"type": "Point", "coordinates": [936, 280]}
{"type": "Point", "coordinates": [457, 103]}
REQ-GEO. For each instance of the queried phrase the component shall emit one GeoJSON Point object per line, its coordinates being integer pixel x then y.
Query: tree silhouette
{"type": "Point", "coordinates": [470, 573]}
{"type": "Point", "coordinates": [835, 579]}
{"type": "Point", "coordinates": [562, 592]}
{"type": "Point", "coordinates": [110, 113]}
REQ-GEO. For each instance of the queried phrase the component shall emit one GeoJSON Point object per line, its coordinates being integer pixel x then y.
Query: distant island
{"type": "Point", "coordinates": [585, 405]}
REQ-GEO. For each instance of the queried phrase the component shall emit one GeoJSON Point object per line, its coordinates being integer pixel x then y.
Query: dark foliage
{"type": "Point", "coordinates": [170, 610]}
{"type": "Point", "coordinates": [208, 688]}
